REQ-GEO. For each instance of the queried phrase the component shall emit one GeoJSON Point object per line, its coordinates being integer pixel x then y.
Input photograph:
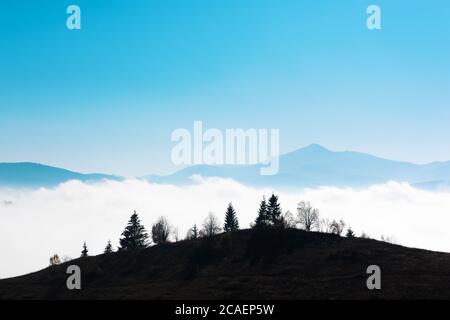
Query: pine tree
{"type": "Point", "coordinates": [108, 248]}
{"type": "Point", "coordinates": [273, 210]}
{"type": "Point", "coordinates": [134, 236]}
{"type": "Point", "coordinates": [84, 252]}
{"type": "Point", "coordinates": [192, 233]}
{"type": "Point", "coordinates": [231, 221]}
{"type": "Point", "coordinates": [262, 218]}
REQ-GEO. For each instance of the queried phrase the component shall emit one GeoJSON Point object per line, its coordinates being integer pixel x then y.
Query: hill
{"type": "Point", "coordinates": [270, 264]}
{"type": "Point", "coordinates": [315, 165]}
{"type": "Point", "coordinates": [26, 174]}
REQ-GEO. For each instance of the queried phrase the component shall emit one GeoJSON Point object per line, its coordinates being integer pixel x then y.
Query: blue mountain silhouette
{"type": "Point", "coordinates": [311, 166]}
{"type": "Point", "coordinates": [315, 165]}
{"type": "Point", "coordinates": [26, 174]}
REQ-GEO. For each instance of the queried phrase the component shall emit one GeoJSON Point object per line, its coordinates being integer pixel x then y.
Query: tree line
{"type": "Point", "coordinates": [269, 215]}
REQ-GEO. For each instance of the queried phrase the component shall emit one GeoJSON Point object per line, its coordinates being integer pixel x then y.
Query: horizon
{"type": "Point", "coordinates": [178, 169]}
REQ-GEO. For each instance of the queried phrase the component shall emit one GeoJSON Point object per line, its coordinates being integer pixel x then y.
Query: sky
{"type": "Point", "coordinates": [106, 98]}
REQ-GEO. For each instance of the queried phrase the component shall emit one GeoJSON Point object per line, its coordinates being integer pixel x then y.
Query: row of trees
{"type": "Point", "coordinates": [135, 235]}
{"type": "Point", "coordinates": [269, 215]}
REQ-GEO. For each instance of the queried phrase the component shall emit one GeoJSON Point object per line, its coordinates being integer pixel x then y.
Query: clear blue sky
{"type": "Point", "coordinates": [106, 97]}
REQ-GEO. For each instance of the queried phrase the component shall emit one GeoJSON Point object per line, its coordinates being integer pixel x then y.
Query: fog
{"type": "Point", "coordinates": [35, 224]}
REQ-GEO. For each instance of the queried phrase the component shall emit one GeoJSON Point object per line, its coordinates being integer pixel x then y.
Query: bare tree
{"type": "Point", "coordinates": [54, 260]}
{"type": "Point", "coordinates": [175, 234]}
{"type": "Point", "coordinates": [389, 239]}
{"type": "Point", "coordinates": [210, 226]}
{"type": "Point", "coordinates": [308, 217]}
{"type": "Point", "coordinates": [337, 227]}
{"type": "Point", "coordinates": [288, 220]}
{"type": "Point", "coordinates": [161, 231]}
{"type": "Point", "coordinates": [364, 235]}
{"type": "Point", "coordinates": [325, 225]}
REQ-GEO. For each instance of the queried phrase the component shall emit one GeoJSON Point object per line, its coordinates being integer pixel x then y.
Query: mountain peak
{"type": "Point", "coordinates": [315, 147]}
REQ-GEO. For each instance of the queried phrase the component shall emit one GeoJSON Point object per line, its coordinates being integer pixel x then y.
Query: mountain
{"type": "Point", "coordinates": [311, 166]}
{"type": "Point", "coordinates": [25, 174]}
{"type": "Point", "coordinates": [315, 165]}
{"type": "Point", "coordinates": [267, 264]}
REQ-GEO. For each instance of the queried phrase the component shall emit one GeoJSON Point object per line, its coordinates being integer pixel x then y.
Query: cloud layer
{"type": "Point", "coordinates": [34, 224]}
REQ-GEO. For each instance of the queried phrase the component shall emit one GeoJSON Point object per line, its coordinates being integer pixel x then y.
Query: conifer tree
{"type": "Point", "coordinates": [273, 210]}
{"type": "Point", "coordinates": [84, 252]}
{"type": "Point", "coordinates": [108, 248]}
{"type": "Point", "coordinates": [262, 219]}
{"type": "Point", "coordinates": [231, 221]}
{"type": "Point", "coordinates": [134, 236]}
{"type": "Point", "coordinates": [192, 233]}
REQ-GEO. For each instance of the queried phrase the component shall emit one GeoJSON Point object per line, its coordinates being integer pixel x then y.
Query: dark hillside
{"type": "Point", "coordinates": [270, 264]}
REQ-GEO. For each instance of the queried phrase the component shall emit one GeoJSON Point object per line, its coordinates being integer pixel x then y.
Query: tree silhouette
{"type": "Point", "coordinates": [337, 227]}
{"type": "Point", "coordinates": [273, 210]}
{"type": "Point", "coordinates": [84, 252]}
{"type": "Point", "coordinates": [210, 226]}
{"type": "Point", "coordinates": [108, 248]}
{"type": "Point", "coordinates": [308, 217]}
{"type": "Point", "coordinates": [231, 221]}
{"type": "Point", "coordinates": [54, 260]}
{"type": "Point", "coordinates": [262, 219]}
{"type": "Point", "coordinates": [350, 233]}
{"type": "Point", "coordinates": [161, 231]}
{"type": "Point", "coordinates": [192, 233]}
{"type": "Point", "coordinates": [134, 236]}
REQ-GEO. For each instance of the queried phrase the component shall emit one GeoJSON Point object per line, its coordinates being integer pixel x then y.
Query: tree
{"type": "Point", "coordinates": [337, 227]}
{"type": "Point", "coordinates": [175, 234]}
{"type": "Point", "coordinates": [231, 221]}
{"type": "Point", "coordinates": [308, 217]}
{"type": "Point", "coordinates": [262, 219]}
{"type": "Point", "coordinates": [134, 236]}
{"type": "Point", "coordinates": [350, 233]}
{"type": "Point", "coordinates": [210, 226]}
{"type": "Point", "coordinates": [288, 220]}
{"type": "Point", "coordinates": [324, 225]}
{"type": "Point", "coordinates": [364, 235]}
{"type": "Point", "coordinates": [108, 248]}
{"type": "Point", "coordinates": [389, 239]}
{"type": "Point", "coordinates": [273, 210]}
{"type": "Point", "coordinates": [54, 260]}
{"type": "Point", "coordinates": [161, 231]}
{"type": "Point", "coordinates": [192, 233]}
{"type": "Point", "coordinates": [84, 252]}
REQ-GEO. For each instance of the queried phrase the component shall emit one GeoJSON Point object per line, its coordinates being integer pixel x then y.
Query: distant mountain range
{"type": "Point", "coordinates": [26, 174]}
{"type": "Point", "coordinates": [315, 165]}
{"type": "Point", "coordinates": [311, 166]}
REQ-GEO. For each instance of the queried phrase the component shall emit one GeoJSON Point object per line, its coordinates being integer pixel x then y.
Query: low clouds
{"type": "Point", "coordinates": [34, 224]}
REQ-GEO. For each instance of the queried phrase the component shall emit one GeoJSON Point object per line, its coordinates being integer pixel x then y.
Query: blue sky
{"type": "Point", "coordinates": [107, 97]}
